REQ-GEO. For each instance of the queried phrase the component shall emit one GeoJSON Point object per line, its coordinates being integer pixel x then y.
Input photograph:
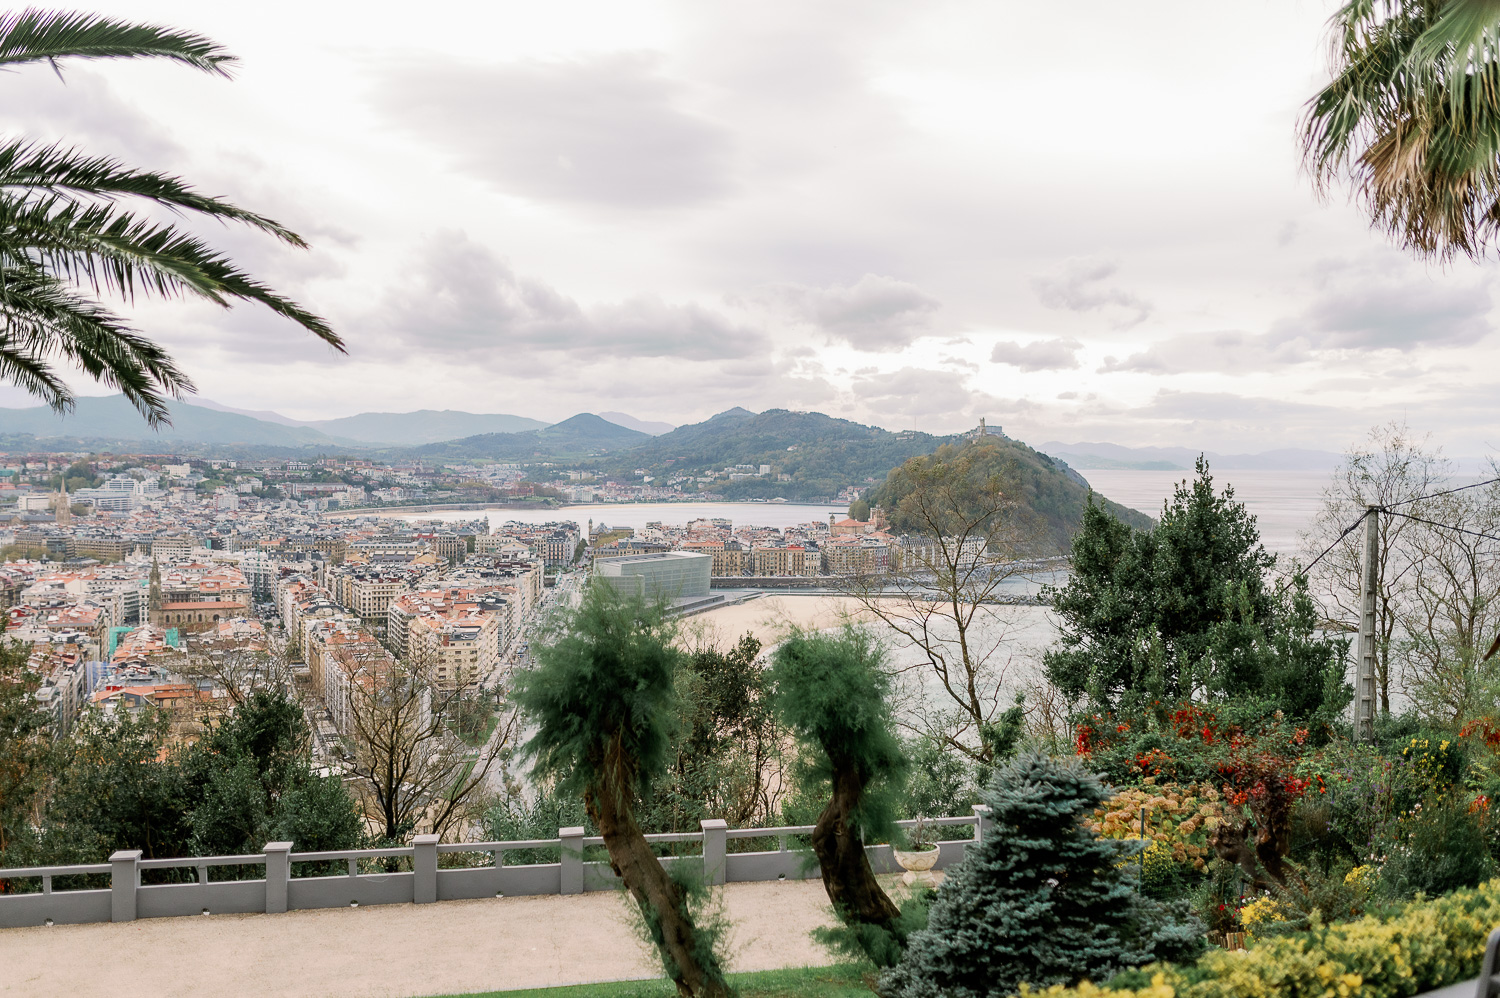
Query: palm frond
{"type": "Point", "coordinates": [62, 170]}
{"type": "Point", "coordinates": [40, 316]}
{"type": "Point", "coordinates": [34, 35]}
{"type": "Point", "coordinates": [24, 369]}
{"type": "Point", "coordinates": [65, 219]}
{"type": "Point", "coordinates": [1411, 119]}
{"type": "Point", "coordinates": [113, 250]}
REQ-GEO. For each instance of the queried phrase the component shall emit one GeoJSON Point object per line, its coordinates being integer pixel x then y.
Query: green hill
{"type": "Point", "coordinates": [820, 455]}
{"type": "Point", "coordinates": [1054, 493]}
{"type": "Point", "coordinates": [580, 436]}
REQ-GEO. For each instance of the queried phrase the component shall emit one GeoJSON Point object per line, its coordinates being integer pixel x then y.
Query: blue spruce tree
{"type": "Point", "coordinates": [1042, 900]}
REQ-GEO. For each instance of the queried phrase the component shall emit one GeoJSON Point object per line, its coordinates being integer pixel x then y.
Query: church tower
{"type": "Point", "coordinates": [60, 504]}
{"type": "Point", "coordinates": [154, 597]}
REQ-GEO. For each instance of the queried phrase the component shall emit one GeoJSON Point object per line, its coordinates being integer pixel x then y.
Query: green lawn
{"type": "Point", "coordinates": [844, 981]}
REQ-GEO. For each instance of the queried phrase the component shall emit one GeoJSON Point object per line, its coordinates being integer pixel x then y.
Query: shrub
{"type": "Point", "coordinates": [1437, 848]}
{"type": "Point", "coordinates": [1178, 818]}
{"type": "Point", "coordinates": [1425, 945]}
{"type": "Point", "coordinates": [1311, 895]}
{"type": "Point", "coordinates": [1043, 899]}
{"type": "Point", "coordinates": [1218, 897]}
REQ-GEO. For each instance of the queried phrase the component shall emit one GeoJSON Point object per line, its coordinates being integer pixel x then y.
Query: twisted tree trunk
{"type": "Point", "coordinates": [847, 876]}
{"type": "Point", "coordinates": [661, 901]}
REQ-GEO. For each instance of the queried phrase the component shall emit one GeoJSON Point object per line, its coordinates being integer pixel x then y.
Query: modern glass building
{"type": "Point", "coordinates": [675, 575]}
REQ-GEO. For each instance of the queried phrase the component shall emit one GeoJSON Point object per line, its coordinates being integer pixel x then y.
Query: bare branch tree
{"type": "Point", "coordinates": [1391, 466]}
{"type": "Point", "coordinates": [238, 671]}
{"type": "Point", "coordinates": [967, 540]}
{"type": "Point", "coordinates": [1452, 612]}
{"type": "Point", "coordinates": [416, 773]}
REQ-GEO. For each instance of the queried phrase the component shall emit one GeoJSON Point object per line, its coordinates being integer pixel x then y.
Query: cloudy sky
{"type": "Point", "coordinates": [1084, 221]}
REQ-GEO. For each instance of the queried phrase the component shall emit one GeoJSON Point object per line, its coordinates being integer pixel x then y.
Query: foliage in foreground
{"type": "Point", "coordinates": [1190, 610]}
{"type": "Point", "coordinates": [1426, 945]}
{"type": "Point", "coordinates": [832, 694]}
{"type": "Point", "coordinates": [1043, 899]}
{"type": "Point", "coordinates": [602, 701]}
{"type": "Point", "coordinates": [120, 784]}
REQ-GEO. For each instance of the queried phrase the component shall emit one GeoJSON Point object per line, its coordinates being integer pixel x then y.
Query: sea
{"type": "Point", "coordinates": [1283, 503]}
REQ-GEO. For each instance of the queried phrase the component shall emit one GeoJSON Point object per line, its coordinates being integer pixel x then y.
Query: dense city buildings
{"type": "Point", "coordinates": [182, 584]}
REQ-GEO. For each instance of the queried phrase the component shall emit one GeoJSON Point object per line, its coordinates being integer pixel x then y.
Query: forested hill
{"type": "Point", "coordinates": [1055, 493]}
{"type": "Point", "coordinates": [818, 454]}
{"type": "Point", "coordinates": [574, 438]}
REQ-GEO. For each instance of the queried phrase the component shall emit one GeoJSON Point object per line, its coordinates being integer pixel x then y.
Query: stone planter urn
{"type": "Point", "coordinates": [918, 865]}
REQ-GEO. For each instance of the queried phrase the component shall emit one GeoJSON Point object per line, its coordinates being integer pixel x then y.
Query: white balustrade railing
{"type": "Point", "coordinates": [425, 871]}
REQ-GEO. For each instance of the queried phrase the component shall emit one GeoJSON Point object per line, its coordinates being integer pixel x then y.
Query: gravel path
{"type": "Point", "coordinates": [392, 951]}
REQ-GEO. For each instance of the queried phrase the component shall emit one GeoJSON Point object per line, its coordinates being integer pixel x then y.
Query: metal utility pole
{"type": "Point", "coordinates": [1364, 681]}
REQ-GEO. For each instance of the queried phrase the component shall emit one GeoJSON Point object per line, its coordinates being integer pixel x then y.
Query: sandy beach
{"type": "Point", "coordinates": [768, 617]}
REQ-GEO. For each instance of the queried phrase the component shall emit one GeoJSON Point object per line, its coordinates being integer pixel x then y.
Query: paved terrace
{"type": "Point", "coordinates": [393, 950]}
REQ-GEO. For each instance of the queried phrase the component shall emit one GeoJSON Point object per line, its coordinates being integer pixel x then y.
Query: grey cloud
{"type": "Point", "coordinates": [606, 131]}
{"type": "Point", "coordinates": [1230, 352]}
{"type": "Point", "coordinates": [913, 392]}
{"type": "Point", "coordinates": [875, 313]}
{"type": "Point", "coordinates": [1213, 406]}
{"type": "Point", "coordinates": [464, 301]}
{"type": "Point", "coordinates": [83, 109]}
{"type": "Point", "coordinates": [1079, 286]}
{"type": "Point", "coordinates": [1041, 355]}
{"type": "Point", "coordinates": [1380, 315]}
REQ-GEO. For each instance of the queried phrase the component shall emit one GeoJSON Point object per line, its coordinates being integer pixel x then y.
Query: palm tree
{"type": "Point", "coordinates": [1412, 119]}
{"type": "Point", "coordinates": [70, 230]}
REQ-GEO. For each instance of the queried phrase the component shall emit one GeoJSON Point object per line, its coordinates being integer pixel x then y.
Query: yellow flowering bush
{"type": "Point", "coordinates": [1438, 761]}
{"type": "Point", "coordinates": [1262, 909]}
{"type": "Point", "coordinates": [1430, 944]}
{"type": "Point", "coordinates": [1178, 820]}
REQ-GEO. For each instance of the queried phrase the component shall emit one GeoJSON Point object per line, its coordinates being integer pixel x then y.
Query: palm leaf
{"type": "Point", "coordinates": [115, 251]}
{"type": "Point", "coordinates": [40, 316]}
{"type": "Point", "coordinates": [60, 170]}
{"type": "Point", "coordinates": [1411, 120]}
{"type": "Point", "coordinates": [65, 218]}
{"type": "Point", "coordinates": [45, 36]}
{"type": "Point", "coordinates": [25, 370]}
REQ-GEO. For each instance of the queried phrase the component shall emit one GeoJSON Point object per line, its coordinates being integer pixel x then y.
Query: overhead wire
{"type": "Point", "coordinates": [1444, 526]}
{"type": "Point", "coordinates": [1445, 492]}
{"type": "Point", "coordinates": [1347, 531]}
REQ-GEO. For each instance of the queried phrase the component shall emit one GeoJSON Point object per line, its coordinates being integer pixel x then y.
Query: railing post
{"type": "Point", "coordinates": [715, 846]}
{"type": "Point", "coordinates": [124, 880]}
{"type": "Point", "coordinates": [572, 859]}
{"type": "Point", "coordinates": [424, 869]}
{"type": "Point", "coordinates": [278, 876]}
{"type": "Point", "coordinates": [982, 822]}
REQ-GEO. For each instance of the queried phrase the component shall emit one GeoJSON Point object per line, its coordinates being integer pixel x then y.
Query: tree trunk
{"type": "Point", "coordinates": [847, 876]}
{"type": "Point", "coordinates": [661, 901]}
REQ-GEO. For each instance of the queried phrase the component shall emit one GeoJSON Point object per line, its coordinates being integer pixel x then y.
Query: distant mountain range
{"type": "Point", "coordinates": [1105, 456]}
{"type": "Point", "coordinates": [644, 425]}
{"type": "Point", "coordinates": [110, 419]}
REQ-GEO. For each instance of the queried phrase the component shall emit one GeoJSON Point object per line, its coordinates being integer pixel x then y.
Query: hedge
{"type": "Point", "coordinates": [1430, 944]}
